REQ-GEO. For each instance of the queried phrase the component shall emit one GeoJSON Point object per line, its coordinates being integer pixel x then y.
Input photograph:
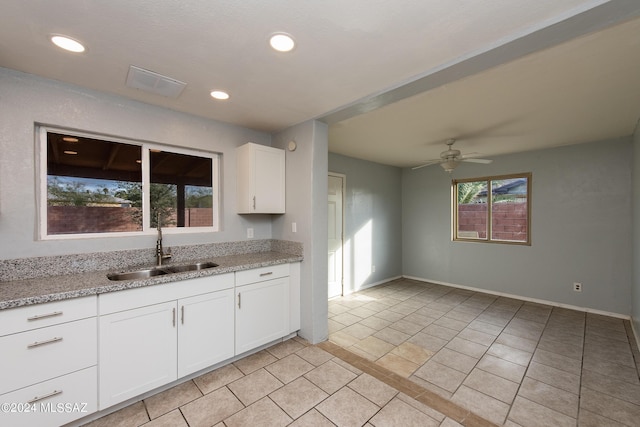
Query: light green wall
{"type": "Point", "coordinates": [372, 197]}
{"type": "Point", "coordinates": [581, 228]}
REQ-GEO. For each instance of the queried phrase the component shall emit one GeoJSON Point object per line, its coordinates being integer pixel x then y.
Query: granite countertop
{"type": "Point", "coordinates": [18, 293]}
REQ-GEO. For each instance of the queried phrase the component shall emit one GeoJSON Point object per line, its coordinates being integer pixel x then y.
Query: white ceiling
{"type": "Point", "coordinates": [393, 79]}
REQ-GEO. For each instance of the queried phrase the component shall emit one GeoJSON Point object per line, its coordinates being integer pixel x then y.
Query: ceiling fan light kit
{"type": "Point", "coordinates": [451, 158]}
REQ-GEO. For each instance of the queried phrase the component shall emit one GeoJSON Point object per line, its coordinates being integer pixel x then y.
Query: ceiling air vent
{"type": "Point", "coordinates": [148, 81]}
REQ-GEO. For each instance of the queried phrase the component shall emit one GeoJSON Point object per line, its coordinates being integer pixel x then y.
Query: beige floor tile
{"type": "Point", "coordinates": [255, 361]}
{"type": "Point", "coordinates": [413, 353]}
{"type": "Point", "coordinates": [330, 377]}
{"type": "Point", "coordinates": [298, 397]}
{"type": "Point", "coordinates": [219, 378]}
{"type": "Point", "coordinates": [517, 342]}
{"type": "Point", "coordinates": [334, 326]}
{"type": "Point", "coordinates": [392, 336]}
{"type": "Point", "coordinates": [436, 415]}
{"type": "Point", "coordinates": [170, 399]}
{"type": "Point", "coordinates": [359, 331]}
{"type": "Point", "coordinates": [375, 322]}
{"type": "Point", "coordinates": [261, 413]}
{"type": "Point", "coordinates": [343, 339]}
{"type": "Point", "coordinates": [211, 408]}
{"type": "Point", "coordinates": [428, 342]}
{"type": "Point", "coordinates": [431, 387]}
{"type": "Point", "coordinates": [509, 353]}
{"type": "Point", "coordinates": [492, 385]}
{"type": "Point", "coordinates": [549, 396]}
{"type": "Point", "coordinates": [477, 336]}
{"type": "Point", "coordinates": [419, 319]}
{"type": "Point", "coordinates": [450, 323]}
{"type": "Point", "coordinates": [254, 386]}
{"type": "Point", "coordinates": [312, 418]}
{"type": "Point", "coordinates": [347, 408]}
{"type": "Point", "coordinates": [314, 355]}
{"type": "Point", "coordinates": [440, 331]}
{"type": "Point", "coordinates": [453, 359]}
{"type": "Point", "coordinates": [398, 413]}
{"type": "Point", "coordinates": [397, 364]}
{"type": "Point", "coordinates": [171, 419]}
{"type": "Point", "coordinates": [289, 368]}
{"type": "Point", "coordinates": [406, 326]}
{"type": "Point", "coordinates": [346, 319]}
{"type": "Point", "coordinates": [590, 419]}
{"type": "Point", "coordinates": [448, 422]}
{"type": "Point", "coordinates": [132, 415]}
{"type": "Point", "coordinates": [363, 312]}
{"type": "Point", "coordinates": [285, 348]}
{"type": "Point", "coordinates": [389, 315]}
{"type": "Point", "coordinates": [557, 361]}
{"type": "Point", "coordinates": [610, 369]}
{"type": "Point", "coordinates": [360, 352]}
{"type": "Point", "coordinates": [554, 377]}
{"type": "Point", "coordinates": [611, 386]}
{"type": "Point", "coordinates": [560, 347]}
{"type": "Point", "coordinates": [530, 414]}
{"type": "Point", "coordinates": [487, 328]}
{"type": "Point", "coordinates": [467, 347]}
{"type": "Point", "coordinates": [440, 375]}
{"type": "Point", "coordinates": [481, 404]}
{"type": "Point", "coordinates": [375, 346]}
{"type": "Point", "coordinates": [373, 389]}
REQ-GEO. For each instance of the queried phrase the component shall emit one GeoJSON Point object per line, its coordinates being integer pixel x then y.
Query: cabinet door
{"type": "Point", "coordinates": [138, 351]}
{"type": "Point", "coordinates": [262, 313]}
{"type": "Point", "coordinates": [205, 332]}
{"type": "Point", "coordinates": [261, 179]}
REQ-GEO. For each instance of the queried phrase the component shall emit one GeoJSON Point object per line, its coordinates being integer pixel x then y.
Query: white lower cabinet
{"type": "Point", "coordinates": [48, 356]}
{"type": "Point", "coordinates": [205, 333]}
{"type": "Point", "coordinates": [143, 348]}
{"type": "Point", "coordinates": [262, 306]}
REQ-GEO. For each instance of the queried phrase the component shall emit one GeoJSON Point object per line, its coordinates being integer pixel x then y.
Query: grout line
{"type": "Point", "coordinates": [422, 395]}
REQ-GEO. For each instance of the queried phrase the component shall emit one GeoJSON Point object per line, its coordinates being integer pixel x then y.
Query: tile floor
{"type": "Point", "coordinates": [512, 362]}
{"type": "Point", "coordinates": [409, 353]}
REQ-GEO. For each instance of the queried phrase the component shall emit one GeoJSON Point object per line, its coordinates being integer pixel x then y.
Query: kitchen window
{"type": "Point", "coordinates": [91, 185]}
{"type": "Point", "coordinates": [495, 209]}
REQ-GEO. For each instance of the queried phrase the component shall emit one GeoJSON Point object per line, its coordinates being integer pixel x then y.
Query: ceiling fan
{"type": "Point", "coordinates": [450, 158]}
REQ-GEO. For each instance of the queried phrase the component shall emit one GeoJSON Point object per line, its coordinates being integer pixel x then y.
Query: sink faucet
{"type": "Point", "coordinates": [160, 255]}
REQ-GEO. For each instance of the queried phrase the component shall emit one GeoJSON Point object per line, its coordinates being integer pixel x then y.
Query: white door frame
{"type": "Point", "coordinates": [343, 177]}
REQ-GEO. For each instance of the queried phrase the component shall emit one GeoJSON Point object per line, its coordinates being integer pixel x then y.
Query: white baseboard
{"type": "Point", "coordinates": [371, 285]}
{"type": "Point", "coordinates": [536, 300]}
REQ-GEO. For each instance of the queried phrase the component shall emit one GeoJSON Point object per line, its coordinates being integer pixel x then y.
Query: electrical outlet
{"type": "Point", "coordinates": [373, 268]}
{"type": "Point", "coordinates": [294, 227]}
{"type": "Point", "coordinates": [577, 286]}
{"type": "Point", "coordinates": [249, 233]}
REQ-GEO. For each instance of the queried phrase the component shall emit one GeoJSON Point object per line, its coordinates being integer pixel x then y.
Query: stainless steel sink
{"type": "Point", "coordinates": [147, 273]}
{"type": "Point", "coordinates": [190, 267]}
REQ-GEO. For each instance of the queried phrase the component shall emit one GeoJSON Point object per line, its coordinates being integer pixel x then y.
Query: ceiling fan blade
{"type": "Point", "coordinates": [485, 161]}
{"type": "Point", "coordinates": [429, 163]}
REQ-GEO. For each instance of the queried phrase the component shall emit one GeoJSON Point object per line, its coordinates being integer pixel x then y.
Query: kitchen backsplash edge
{"type": "Point", "coordinates": [31, 268]}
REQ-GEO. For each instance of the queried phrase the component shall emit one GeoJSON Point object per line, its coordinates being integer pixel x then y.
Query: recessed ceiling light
{"type": "Point", "coordinates": [282, 42]}
{"type": "Point", "coordinates": [218, 94]}
{"type": "Point", "coordinates": [70, 139]}
{"type": "Point", "coordinates": [67, 43]}
{"type": "Point", "coordinates": [70, 152]}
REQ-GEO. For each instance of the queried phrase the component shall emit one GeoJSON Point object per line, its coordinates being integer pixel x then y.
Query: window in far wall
{"type": "Point", "coordinates": [93, 185]}
{"type": "Point", "coordinates": [495, 209]}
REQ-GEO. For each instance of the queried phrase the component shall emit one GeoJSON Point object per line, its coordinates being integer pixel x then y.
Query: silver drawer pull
{"type": "Point", "coordinates": [45, 396]}
{"type": "Point", "coordinates": [39, 343]}
{"type": "Point", "coordinates": [44, 316]}
{"type": "Point", "coordinates": [266, 274]}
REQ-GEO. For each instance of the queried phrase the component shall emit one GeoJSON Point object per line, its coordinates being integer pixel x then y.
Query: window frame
{"type": "Point", "coordinates": [146, 147]}
{"type": "Point", "coordinates": [489, 179]}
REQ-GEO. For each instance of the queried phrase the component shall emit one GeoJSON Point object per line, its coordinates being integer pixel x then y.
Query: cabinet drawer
{"type": "Point", "coordinates": [54, 402]}
{"type": "Point", "coordinates": [22, 319]}
{"type": "Point", "coordinates": [261, 274]}
{"type": "Point", "coordinates": [38, 355]}
{"type": "Point", "coordinates": [130, 299]}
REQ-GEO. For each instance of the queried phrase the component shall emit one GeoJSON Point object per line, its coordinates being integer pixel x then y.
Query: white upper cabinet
{"type": "Point", "coordinates": [261, 179]}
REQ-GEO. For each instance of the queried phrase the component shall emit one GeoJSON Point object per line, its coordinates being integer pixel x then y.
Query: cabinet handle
{"type": "Point", "coordinates": [254, 203]}
{"type": "Point", "coordinates": [45, 396]}
{"type": "Point", "coordinates": [238, 299]}
{"type": "Point", "coordinates": [44, 316]}
{"type": "Point", "coordinates": [182, 314]}
{"type": "Point", "coordinates": [268, 273]}
{"type": "Point", "coordinates": [174, 317]}
{"type": "Point", "coordinates": [39, 343]}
